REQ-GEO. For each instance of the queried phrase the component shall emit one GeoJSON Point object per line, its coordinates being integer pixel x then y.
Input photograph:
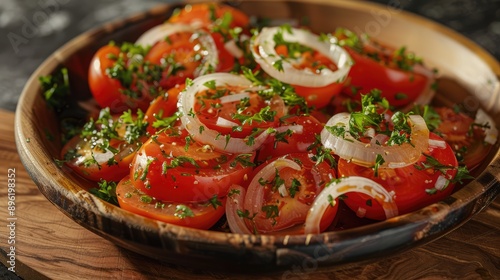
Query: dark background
{"type": "Point", "coordinates": [30, 30]}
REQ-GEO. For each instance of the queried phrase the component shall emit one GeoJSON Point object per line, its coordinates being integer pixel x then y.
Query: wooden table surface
{"type": "Point", "coordinates": [48, 244]}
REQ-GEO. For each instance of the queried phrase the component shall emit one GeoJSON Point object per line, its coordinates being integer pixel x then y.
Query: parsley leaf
{"type": "Point", "coordinates": [106, 191]}
{"type": "Point", "coordinates": [56, 89]}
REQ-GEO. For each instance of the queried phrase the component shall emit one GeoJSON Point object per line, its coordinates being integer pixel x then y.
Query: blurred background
{"type": "Point", "coordinates": [32, 30]}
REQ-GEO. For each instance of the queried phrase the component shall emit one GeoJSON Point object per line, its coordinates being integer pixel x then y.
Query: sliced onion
{"type": "Point", "coordinates": [233, 49]}
{"type": "Point", "coordinates": [225, 122]}
{"type": "Point", "coordinates": [441, 183]}
{"type": "Point", "coordinates": [298, 128]}
{"type": "Point", "coordinates": [208, 47]}
{"type": "Point", "coordinates": [491, 132]}
{"type": "Point", "coordinates": [348, 148]}
{"type": "Point", "coordinates": [348, 184]}
{"type": "Point", "coordinates": [437, 143]}
{"type": "Point", "coordinates": [234, 97]}
{"type": "Point", "coordinates": [162, 31]}
{"type": "Point", "coordinates": [211, 136]}
{"type": "Point", "coordinates": [234, 203]}
{"type": "Point", "coordinates": [263, 49]}
{"type": "Point", "coordinates": [254, 202]}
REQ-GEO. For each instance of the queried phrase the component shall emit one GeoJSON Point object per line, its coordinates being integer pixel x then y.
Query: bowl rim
{"type": "Point", "coordinates": [487, 181]}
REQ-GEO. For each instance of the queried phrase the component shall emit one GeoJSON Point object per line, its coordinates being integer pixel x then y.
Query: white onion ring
{"type": "Point", "coordinates": [348, 148]}
{"type": "Point", "coordinates": [222, 122]}
{"type": "Point", "coordinates": [162, 31]}
{"type": "Point", "coordinates": [210, 136]}
{"type": "Point", "coordinates": [234, 97]}
{"type": "Point", "coordinates": [254, 203]}
{"type": "Point", "coordinates": [441, 183]}
{"type": "Point", "coordinates": [263, 50]}
{"type": "Point", "coordinates": [437, 143]}
{"type": "Point", "coordinates": [233, 49]}
{"type": "Point", "coordinates": [234, 203]}
{"type": "Point", "coordinates": [491, 132]}
{"type": "Point", "coordinates": [346, 185]}
{"type": "Point", "coordinates": [296, 128]}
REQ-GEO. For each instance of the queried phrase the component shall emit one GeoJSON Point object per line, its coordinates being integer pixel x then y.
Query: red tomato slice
{"type": "Point", "coordinates": [399, 87]}
{"type": "Point", "coordinates": [318, 97]}
{"type": "Point", "coordinates": [162, 109]}
{"type": "Point", "coordinates": [104, 152]}
{"type": "Point", "coordinates": [299, 133]}
{"type": "Point", "coordinates": [179, 52]}
{"type": "Point", "coordinates": [170, 166]}
{"type": "Point", "coordinates": [282, 200]}
{"type": "Point", "coordinates": [108, 92]}
{"type": "Point", "coordinates": [220, 115]}
{"type": "Point", "coordinates": [107, 166]}
{"type": "Point", "coordinates": [208, 14]}
{"type": "Point", "coordinates": [226, 59]}
{"type": "Point", "coordinates": [414, 187]}
{"type": "Point", "coordinates": [466, 139]}
{"type": "Point", "coordinates": [201, 215]}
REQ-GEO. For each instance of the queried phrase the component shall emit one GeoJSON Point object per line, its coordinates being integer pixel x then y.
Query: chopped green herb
{"type": "Point", "coordinates": [215, 202]}
{"type": "Point", "coordinates": [379, 160]}
{"type": "Point", "coordinates": [182, 211]}
{"type": "Point", "coordinates": [146, 199]}
{"type": "Point", "coordinates": [272, 212]}
{"type": "Point", "coordinates": [106, 191]}
{"type": "Point", "coordinates": [56, 89]}
{"type": "Point", "coordinates": [294, 188]}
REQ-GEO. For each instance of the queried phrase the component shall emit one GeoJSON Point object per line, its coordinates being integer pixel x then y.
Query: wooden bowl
{"type": "Point", "coordinates": [469, 75]}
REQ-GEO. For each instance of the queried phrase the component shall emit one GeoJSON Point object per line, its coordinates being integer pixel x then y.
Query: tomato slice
{"type": "Point", "coordinates": [398, 86]}
{"type": "Point", "coordinates": [107, 91]}
{"type": "Point", "coordinates": [171, 166]}
{"type": "Point", "coordinates": [104, 155]}
{"type": "Point", "coordinates": [208, 15]}
{"type": "Point", "coordinates": [182, 53]}
{"type": "Point", "coordinates": [237, 111]}
{"type": "Point", "coordinates": [201, 215]}
{"type": "Point", "coordinates": [161, 111]}
{"type": "Point", "coordinates": [296, 134]}
{"type": "Point", "coordinates": [414, 186]}
{"type": "Point", "coordinates": [282, 191]}
{"type": "Point", "coordinates": [96, 165]}
{"type": "Point", "coordinates": [465, 138]}
{"type": "Point", "coordinates": [226, 59]}
{"type": "Point", "coordinates": [313, 61]}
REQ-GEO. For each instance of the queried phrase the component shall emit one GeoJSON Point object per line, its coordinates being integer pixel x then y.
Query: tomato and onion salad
{"type": "Point", "coordinates": [272, 128]}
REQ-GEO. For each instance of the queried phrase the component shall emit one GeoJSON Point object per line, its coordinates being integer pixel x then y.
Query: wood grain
{"type": "Point", "coordinates": [50, 245]}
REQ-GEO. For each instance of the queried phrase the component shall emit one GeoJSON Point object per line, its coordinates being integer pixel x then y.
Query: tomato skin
{"type": "Point", "coordinates": [458, 131]}
{"type": "Point", "coordinates": [408, 183]}
{"type": "Point", "coordinates": [292, 210]}
{"type": "Point", "coordinates": [202, 14]}
{"type": "Point", "coordinates": [106, 90]}
{"type": "Point", "coordinates": [209, 110]}
{"type": "Point", "coordinates": [93, 172]}
{"type": "Point", "coordinates": [297, 142]}
{"type": "Point", "coordinates": [367, 74]}
{"type": "Point", "coordinates": [163, 106]}
{"type": "Point", "coordinates": [319, 97]}
{"type": "Point", "coordinates": [182, 49]}
{"type": "Point", "coordinates": [226, 59]}
{"type": "Point", "coordinates": [163, 180]}
{"type": "Point", "coordinates": [204, 214]}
